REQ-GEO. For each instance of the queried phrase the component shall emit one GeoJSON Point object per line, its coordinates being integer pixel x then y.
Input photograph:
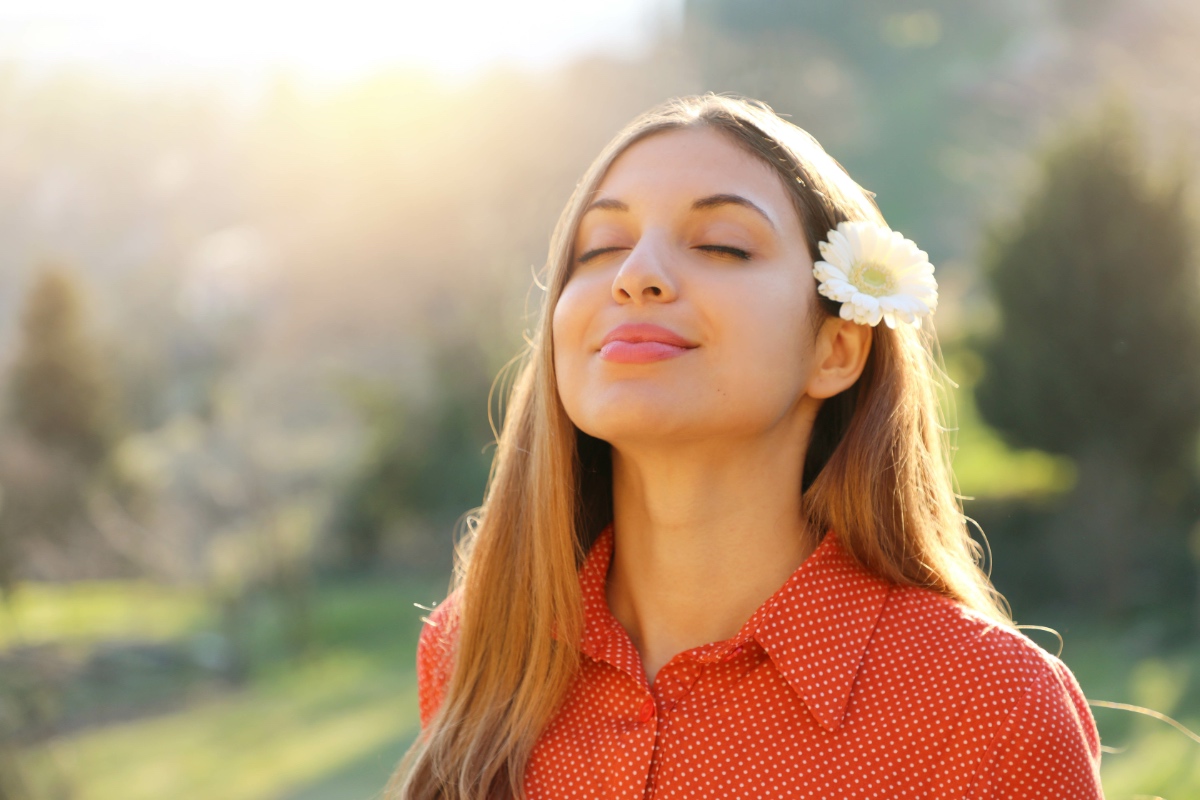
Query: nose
{"type": "Point", "coordinates": [644, 276]}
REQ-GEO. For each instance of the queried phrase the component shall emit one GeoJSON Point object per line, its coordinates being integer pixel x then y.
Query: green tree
{"type": "Point", "coordinates": [59, 428]}
{"type": "Point", "coordinates": [59, 393]}
{"type": "Point", "coordinates": [423, 466]}
{"type": "Point", "coordinates": [1098, 352]}
{"type": "Point", "coordinates": [881, 83]}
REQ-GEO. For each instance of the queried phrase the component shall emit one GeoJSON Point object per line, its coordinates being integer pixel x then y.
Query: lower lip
{"type": "Point", "coordinates": [640, 352]}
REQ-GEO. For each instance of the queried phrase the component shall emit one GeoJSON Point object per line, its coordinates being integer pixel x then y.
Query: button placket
{"type": "Point", "coordinates": [672, 684]}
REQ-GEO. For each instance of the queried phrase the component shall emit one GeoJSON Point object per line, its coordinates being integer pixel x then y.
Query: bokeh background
{"type": "Point", "coordinates": [260, 264]}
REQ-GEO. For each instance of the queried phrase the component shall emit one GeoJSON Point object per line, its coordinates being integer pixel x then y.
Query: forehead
{"type": "Point", "coordinates": [685, 164]}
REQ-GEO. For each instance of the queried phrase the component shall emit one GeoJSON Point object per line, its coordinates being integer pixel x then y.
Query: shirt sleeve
{"type": "Point", "coordinates": [435, 658]}
{"type": "Point", "coordinates": [1048, 746]}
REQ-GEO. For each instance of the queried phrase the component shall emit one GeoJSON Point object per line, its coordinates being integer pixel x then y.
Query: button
{"type": "Point", "coordinates": [647, 711]}
{"type": "Point", "coordinates": [732, 654]}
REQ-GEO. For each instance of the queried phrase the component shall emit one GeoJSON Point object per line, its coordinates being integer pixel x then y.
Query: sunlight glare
{"type": "Point", "coordinates": [326, 40]}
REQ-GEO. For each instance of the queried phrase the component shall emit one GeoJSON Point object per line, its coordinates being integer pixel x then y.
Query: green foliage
{"type": "Point", "coordinates": [424, 465]}
{"type": "Point", "coordinates": [985, 467]}
{"type": "Point", "coordinates": [1099, 298]}
{"type": "Point", "coordinates": [888, 87]}
{"type": "Point", "coordinates": [59, 391]}
{"type": "Point", "coordinates": [1097, 358]}
{"type": "Point", "coordinates": [60, 425]}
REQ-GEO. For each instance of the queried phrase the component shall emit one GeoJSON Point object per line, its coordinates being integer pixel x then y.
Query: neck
{"type": "Point", "coordinates": [702, 538]}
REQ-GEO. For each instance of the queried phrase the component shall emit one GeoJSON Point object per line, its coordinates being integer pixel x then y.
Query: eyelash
{"type": "Point", "coordinates": [590, 254]}
{"type": "Point", "coordinates": [736, 252]}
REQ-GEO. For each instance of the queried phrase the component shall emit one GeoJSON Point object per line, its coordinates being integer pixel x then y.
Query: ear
{"type": "Point", "coordinates": [841, 354]}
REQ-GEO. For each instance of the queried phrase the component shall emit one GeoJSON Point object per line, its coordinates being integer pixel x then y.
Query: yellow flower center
{"type": "Point", "coordinates": [873, 279]}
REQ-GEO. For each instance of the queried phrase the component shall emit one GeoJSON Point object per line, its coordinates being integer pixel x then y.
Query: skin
{"type": "Point", "coordinates": [708, 447]}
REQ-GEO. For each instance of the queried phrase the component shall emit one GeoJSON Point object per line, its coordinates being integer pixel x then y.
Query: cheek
{"type": "Point", "coordinates": [568, 329]}
{"type": "Point", "coordinates": [772, 348]}
{"type": "Point", "coordinates": [568, 321]}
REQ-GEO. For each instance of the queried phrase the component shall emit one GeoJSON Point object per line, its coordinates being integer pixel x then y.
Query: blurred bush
{"type": "Point", "coordinates": [59, 429]}
{"type": "Point", "coordinates": [1097, 357]}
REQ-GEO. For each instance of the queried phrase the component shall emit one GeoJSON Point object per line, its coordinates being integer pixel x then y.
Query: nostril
{"type": "Point", "coordinates": [654, 290]}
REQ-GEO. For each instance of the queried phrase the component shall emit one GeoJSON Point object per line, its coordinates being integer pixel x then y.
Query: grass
{"type": "Point", "coordinates": [273, 739]}
{"type": "Point", "coordinates": [86, 613]}
{"type": "Point", "coordinates": [331, 725]}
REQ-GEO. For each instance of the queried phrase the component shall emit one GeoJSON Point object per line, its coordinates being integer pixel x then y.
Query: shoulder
{"type": "Point", "coordinates": [1024, 702]}
{"type": "Point", "coordinates": [435, 655]}
{"type": "Point", "coordinates": [935, 632]}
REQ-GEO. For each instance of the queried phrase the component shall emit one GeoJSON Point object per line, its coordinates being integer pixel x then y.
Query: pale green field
{"type": "Point", "coordinates": [85, 613]}
{"type": "Point", "coordinates": [330, 728]}
{"type": "Point", "coordinates": [331, 725]}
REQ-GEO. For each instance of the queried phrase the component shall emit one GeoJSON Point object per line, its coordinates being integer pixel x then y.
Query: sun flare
{"type": "Point", "coordinates": [321, 40]}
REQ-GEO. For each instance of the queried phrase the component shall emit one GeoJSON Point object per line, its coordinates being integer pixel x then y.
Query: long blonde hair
{"type": "Point", "coordinates": [876, 471]}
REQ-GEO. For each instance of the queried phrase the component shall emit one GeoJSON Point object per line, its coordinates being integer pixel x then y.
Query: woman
{"type": "Point", "coordinates": [720, 554]}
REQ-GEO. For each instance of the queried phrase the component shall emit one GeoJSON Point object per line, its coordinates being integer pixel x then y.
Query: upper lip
{"type": "Point", "coordinates": [644, 332]}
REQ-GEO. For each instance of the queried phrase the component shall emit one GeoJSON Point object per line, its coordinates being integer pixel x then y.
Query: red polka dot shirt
{"type": "Point", "coordinates": [841, 685]}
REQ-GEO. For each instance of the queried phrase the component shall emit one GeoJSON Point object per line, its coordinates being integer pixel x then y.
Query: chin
{"type": "Point", "coordinates": [626, 433]}
{"type": "Point", "coordinates": [634, 417]}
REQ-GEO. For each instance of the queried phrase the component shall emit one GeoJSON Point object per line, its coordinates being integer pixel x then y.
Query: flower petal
{"type": "Point", "coordinates": [825, 271]}
{"type": "Point", "coordinates": [859, 248]}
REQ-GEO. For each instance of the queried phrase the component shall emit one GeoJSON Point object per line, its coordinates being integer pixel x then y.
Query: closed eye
{"type": "Point", "coordinates": [599, 251]}
{"type": "Point", "coordinates": [730, 251]}
{"type": "Point", "coordinates": [735, 252]}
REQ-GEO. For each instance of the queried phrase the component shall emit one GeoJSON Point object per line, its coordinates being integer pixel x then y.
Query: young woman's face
{"type": "Point", "coordinates": [689, 309]}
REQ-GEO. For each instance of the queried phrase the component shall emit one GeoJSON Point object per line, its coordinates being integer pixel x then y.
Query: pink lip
{"type": "Point", "coordinates": [642, 344]}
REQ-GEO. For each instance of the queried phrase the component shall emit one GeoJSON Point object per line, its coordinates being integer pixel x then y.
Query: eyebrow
{"type": "Point", "coordinates": [704, 203]}
{"type": "Point", "coordinates": [607, 204]}
{"type": "Point", "coordinates": [718, 200]}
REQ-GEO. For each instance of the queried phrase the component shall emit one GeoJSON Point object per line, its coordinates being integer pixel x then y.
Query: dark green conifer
{"type": "Point", "coordinates": [1097, 354]}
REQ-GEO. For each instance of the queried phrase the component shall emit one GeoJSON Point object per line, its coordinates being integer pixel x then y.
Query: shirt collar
{"type": "Point", "coordinates": [815, 628]}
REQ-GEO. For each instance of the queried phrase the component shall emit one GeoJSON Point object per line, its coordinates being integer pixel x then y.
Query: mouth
{"type": "Point", "coordinates": [642, 344]}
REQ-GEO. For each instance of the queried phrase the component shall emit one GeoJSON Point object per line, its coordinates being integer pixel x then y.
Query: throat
{"type": "Point", "coordinates": [688, 600]}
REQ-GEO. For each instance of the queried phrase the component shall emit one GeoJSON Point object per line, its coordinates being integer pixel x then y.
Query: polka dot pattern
{"type": "Point", "coordinates": [839, 685]}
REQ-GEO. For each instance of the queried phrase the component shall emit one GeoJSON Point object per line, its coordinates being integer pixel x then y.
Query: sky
{"type": "Point", "coordinates": [321, 41]}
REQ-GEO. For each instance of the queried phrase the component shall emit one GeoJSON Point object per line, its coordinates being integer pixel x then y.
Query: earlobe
{"type": "Point", "coordinates": [842, 348]}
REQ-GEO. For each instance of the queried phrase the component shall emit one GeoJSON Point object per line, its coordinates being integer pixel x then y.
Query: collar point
{"type": "Point", "coordinates": [830, 719]}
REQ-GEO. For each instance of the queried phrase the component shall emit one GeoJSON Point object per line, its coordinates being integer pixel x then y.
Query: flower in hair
{"type": "Point", "coordinates": [876, 274]}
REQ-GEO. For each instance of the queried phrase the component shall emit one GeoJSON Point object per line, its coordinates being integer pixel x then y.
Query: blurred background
{"type": "Point", "coordinates": [261, 263]}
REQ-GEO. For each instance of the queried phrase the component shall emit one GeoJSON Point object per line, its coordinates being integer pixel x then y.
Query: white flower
{"type": "Point", "coordinates": [875, 273]}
